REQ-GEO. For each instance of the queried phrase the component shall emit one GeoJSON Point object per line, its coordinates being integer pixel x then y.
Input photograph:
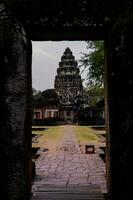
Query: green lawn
{"type": "Point", "coordinates": [49, 138]}
{"type": "Point", "coordinates": [85, 135]}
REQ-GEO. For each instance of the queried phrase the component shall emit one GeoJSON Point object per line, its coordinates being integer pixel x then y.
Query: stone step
{"type": "Point", "coordinates": [90, 192]}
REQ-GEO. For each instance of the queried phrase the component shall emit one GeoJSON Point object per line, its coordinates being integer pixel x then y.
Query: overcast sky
{"type": "Point", "coordinates": [46, 57]}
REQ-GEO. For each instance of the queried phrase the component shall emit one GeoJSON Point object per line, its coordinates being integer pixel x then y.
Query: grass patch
{"type": "Point", "coordinates": [49, 138]}
{"type": "Point", "coordinates": [85, 135]}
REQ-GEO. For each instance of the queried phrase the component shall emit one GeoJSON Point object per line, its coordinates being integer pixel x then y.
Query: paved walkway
{"type": "Point", "coordinates": [69, 143]}
{"type": "Point", "coordinates": [68, 166]}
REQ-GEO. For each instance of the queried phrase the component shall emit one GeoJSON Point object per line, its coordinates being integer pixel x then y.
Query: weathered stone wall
{"type": "Point", "coordinates": [15, 88]}
{"type": "Point", "coordinates": [15, 114]}
{"type": "Point", "coordinates": [71, 20]}
{"type": "Point", "coordinates": [120, 108]}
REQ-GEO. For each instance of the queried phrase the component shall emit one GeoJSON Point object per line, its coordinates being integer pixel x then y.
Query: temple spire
{"type": "Point", "coordinates": [68, 78]}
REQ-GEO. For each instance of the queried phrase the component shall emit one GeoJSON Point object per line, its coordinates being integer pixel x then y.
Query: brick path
{"type": "Point", "coordinates": [68, 166]}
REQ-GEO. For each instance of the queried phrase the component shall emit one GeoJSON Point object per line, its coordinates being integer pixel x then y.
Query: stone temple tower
{"type": "Point", "coordinates": [68, 86]}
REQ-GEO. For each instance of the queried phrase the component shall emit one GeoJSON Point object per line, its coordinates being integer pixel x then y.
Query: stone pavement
{"type": "Point", "coordinates": [68, 166]}
{"type": "Point", "coordinates": [69, 143]}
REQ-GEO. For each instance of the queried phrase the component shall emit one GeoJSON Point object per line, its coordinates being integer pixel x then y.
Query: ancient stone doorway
{"type": "Point", "coordinates": [114, 25]}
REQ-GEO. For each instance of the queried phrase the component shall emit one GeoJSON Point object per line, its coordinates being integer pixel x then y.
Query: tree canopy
{"type": "Point", "coordinates": [45, 98]}
{"type": "Point", "coordinates": [93, 61]}
{"type": "Point", "coordinates": [95, 94]}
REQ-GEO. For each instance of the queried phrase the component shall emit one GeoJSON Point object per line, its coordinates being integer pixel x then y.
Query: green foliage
{"type": "Point", "coordinates": [34, 91]}
{"type": "Point", "coordinates": [45, 98]}
{"type": "Point", "coordinates": [96, 95]}
{"type": "Point", "coordinates": [94, 62]}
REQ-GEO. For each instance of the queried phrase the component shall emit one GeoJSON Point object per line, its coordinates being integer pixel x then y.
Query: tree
{"type": "Point", "coordinates": [34, 91]}
{"type": "Point", "coordinates": [94, 62]}
{"type": "Point", "coordinates": [95, 94]}
{"type": "Point", "coordinates": [45, 98]}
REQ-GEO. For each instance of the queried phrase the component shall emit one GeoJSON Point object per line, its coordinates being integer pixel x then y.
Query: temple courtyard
{"type": "Point", "coordinates": [68, 161]}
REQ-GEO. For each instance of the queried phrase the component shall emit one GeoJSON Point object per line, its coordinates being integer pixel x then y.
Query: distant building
{"type": "Point", "coordinates": [69, 90]}
{"type": "Point", "coordinates": [68, 85]}
{"type": "Point", "coordinates": [46, 105]}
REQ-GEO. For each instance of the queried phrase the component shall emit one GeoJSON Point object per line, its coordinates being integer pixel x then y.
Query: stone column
{"type": "Point", "coordinates": [15, 109]}
{"type": "Point", "coordinates": [120, 108]}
